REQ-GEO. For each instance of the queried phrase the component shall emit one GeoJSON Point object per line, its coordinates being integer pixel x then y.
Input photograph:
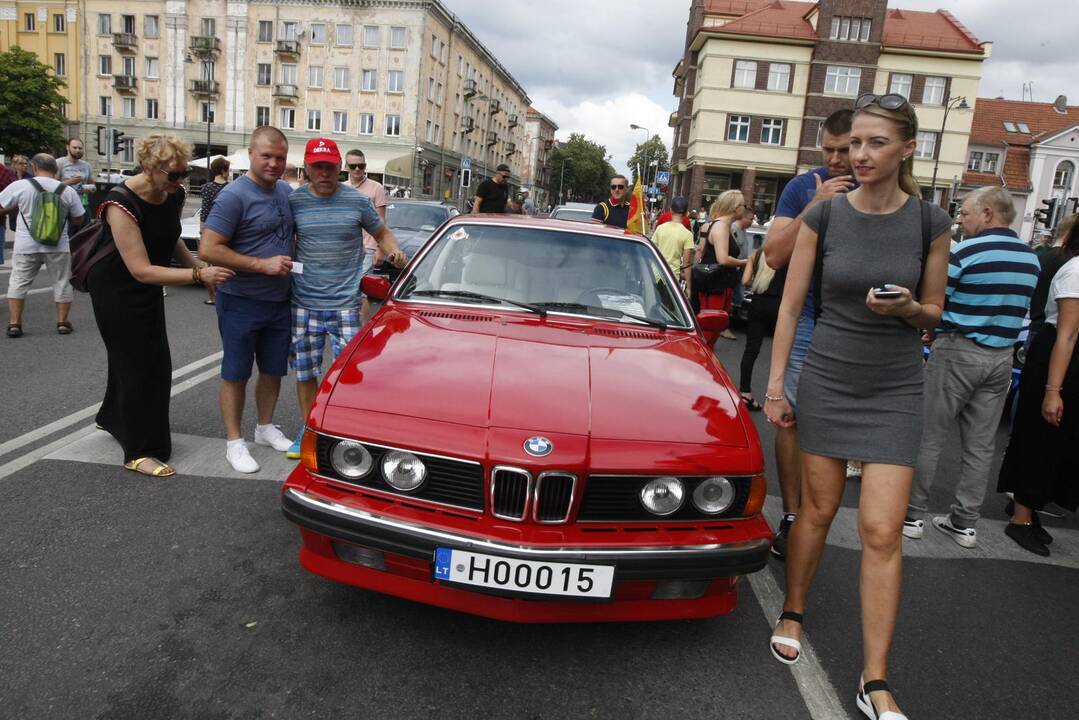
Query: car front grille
{"type": "Point", "coordinates": [609, 498]}
{"type": "Point", "coordinates": [554, 495]}
{"type": "Point", "coordinates": [510, 488]}
{"type": "Point", "coordinates": [449, 482]}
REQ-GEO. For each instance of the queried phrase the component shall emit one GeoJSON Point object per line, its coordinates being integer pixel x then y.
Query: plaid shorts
{"type": "Point", "coordinates": [309, 331]}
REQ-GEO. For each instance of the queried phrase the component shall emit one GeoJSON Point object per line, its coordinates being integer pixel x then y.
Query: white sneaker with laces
{"type": "Point", "coordinates": [964, 537]}
{"type": "Point", "coordinates": [271, 436]}
{"type": "Point", "coordinates": [240, 459]}
{"type": "Point", "coordinates": [913, 528]}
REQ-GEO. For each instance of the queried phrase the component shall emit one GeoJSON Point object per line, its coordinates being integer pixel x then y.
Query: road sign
{"type": "Point", "coordinates": [466, 163]}
{"type": "Point", "coordinates": [663, 178]}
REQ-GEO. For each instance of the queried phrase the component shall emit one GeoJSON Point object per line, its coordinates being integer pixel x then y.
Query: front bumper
{"type": "Point", "coordinates": [401, 537]}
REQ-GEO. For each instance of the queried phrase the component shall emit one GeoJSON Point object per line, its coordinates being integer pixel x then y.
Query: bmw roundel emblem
{"type": "Point", "coordinates": [538, 446]}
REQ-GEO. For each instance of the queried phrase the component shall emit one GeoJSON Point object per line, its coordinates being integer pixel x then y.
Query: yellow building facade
{"type": "Point", "coordinates": [50, 29]}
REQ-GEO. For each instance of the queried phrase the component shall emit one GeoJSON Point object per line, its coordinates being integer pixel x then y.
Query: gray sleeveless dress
{"type": "Point", "coordinates": [860, 394]}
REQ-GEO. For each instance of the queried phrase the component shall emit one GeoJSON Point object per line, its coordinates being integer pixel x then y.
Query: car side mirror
{"type": "Point", "coordinates": [712, 323]}
{"type": "Point", "coordinates": [378, 288]}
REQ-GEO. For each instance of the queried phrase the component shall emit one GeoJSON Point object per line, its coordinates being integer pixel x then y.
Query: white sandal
{"type": "Point", "coordinates": [786, 641]}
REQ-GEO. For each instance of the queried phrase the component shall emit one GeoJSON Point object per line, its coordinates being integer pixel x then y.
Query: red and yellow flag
{"type": "Point", "coordinates": [637, 224]}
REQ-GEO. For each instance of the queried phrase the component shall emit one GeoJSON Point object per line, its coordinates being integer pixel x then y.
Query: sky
{"type": "Point", "coordinates": [595, 67]}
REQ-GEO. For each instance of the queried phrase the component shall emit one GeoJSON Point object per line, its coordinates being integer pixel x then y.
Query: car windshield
{"type": "Point", "coordinates": [536, 268]}
{"type": "Point", "coordinates": [571, 214]}
{"type": "Point", "coordinates": [412, 216]}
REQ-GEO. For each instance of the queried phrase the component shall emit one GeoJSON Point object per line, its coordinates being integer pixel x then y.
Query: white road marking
{"type": "Point", "coordinates": [80, 415]}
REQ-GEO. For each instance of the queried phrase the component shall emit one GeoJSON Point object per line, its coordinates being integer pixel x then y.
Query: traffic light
{"type": "Point", "coordinates": [1046, 216]}
{"type": "Point", "coordinates": [466, 178]}
{"type": "Point", "coordinates": [953, 208]}
{"type": "Point", "coordinates": [118, 142]}
{"type": "Point", "coordinates": [100, 140]}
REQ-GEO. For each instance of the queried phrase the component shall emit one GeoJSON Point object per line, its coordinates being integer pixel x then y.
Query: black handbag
{"type": "Point", "coordinates": [713, 278]}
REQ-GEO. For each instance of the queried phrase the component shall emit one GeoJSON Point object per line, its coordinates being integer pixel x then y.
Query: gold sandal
{"type": "Point", "coordinates": [162, 470]}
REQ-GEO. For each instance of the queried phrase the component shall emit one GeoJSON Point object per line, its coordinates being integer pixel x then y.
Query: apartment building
{"type": "Point", "coordinates": [49, 29]}
{"type": "Point", "coordinates": [407, 83]}
{"type": "Point", "coordinates": [759, 77]}
{"type": "Point", "coordinates": [539, 131]}
{"type": "Point", "coordinates": [1030, 149]}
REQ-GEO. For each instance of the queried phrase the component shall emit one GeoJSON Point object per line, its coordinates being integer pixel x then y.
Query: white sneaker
{"type": "Point", "coordinates": [913, 528]}
{"type": "Point", "coordinates": [271, 436]}
{"type": "Point", "coordinates": [240, 459]}
{"type": "Point", "coordinates": [964, 537]}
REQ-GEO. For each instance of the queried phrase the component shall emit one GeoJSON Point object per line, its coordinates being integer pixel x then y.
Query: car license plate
{"type": "Point", "coordinates": [524, 576]}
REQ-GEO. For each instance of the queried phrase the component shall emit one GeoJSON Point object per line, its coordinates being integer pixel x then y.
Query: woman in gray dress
{"type": "Point", "coordinates": [860, 394]}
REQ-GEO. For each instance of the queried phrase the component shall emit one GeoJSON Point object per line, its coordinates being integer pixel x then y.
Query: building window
{"type": "Point", "coordinates": [1023, 128]}
{"type": "Point", "coordinates": [104, 64]}
{"type": "Point", "coordinates": [772, 132]}
{"type": "Point", "coordinates": [1062, 177]}
{"type": "Point", "coordinates": [438, 134]}
{"type": "Point", "coordinates": [262, 116]}
{"type": "Point", "coordinates": [367, 124]}
{"type": "Point", "coordinates": [370, 80]}
{"type": "Point", "coordinates": [289, 30]}
{"type": "Point", "coordinates": [927, 145]}
{"type": "Point", "coordinates": [59, 64]}
{"type": "Point", "coordinates": [314, 119]}
{"type": "Point", "coordinates": [288, 118]}
{"type": "Point", "coordinates": [263, 74]}
{"type": "Point", "coordinates": [153, 68]}
{"type": "Point", "coordinates": [430, 89]}
{"type": "Point", "coordinates": [344, 35]}
{"type": "Point", "coordinates": [974, 162]}
{"type": "Point", "coordinates": [341, 79]}
{"type": "Point", "coordinates": [393, 126]}
{"type": "Point", "coordinates": [430, 130]}
{"type": "Point", "coordinates": [29, 22]}
{"type": "Point", "coordinates": [128, 21]}
{"type": "Point", "coordinates": [460, 66]}
{"type": "Point", "coordinates": [208, 27]}
{"type": "Point", "coordinates": [820, 134]}
{"type": "Point", "coordinates": [934, 91]}
{"type": "Point", "coordinates": [779, 77]}
{"type": "Point", "coordinates": [128, 66]}
{"type": "Point", "coordinates": [127, 154]}
{"type": "Point", "coordinates": [265, 31]}
{"type": "Point", "coordinates": [151, 109]}
{"type": "Point", "coordinates": [106, 105]}
{"type": "Point", "coordinates": [738, 128]}
{"type": "Point", "coordinates": [314, 76]}
{"type": "Point", "coordinates": [842, 80]}
{"type": "Point", "coordinates": [59, 23]}
{"type": "Point", "coordinates": [150, 26]}
{"type": "Point", "coordinates": [901, 84]}
{"type": "Point", "coordinates": [104, 24]}
{"type": "Point", "coordinates": [855, 29]}
{"type": "Point", "coordinates": [990, 163]}
{"type": "Point", "coordinates": [396, 82]}
{"type": "Point", "coordinates": [318, 33]}
{"type": "Point", "coordinates": [340, 121]}
{"type": "Point", "coordinates": [439, 90]}
{"type": "Point", "coordinates": [127, 107]}
{"type": "Point", "coordinates": [371, 36]}
{"type": "Point", "coordinates": [289, 73]}
{"type": "Point", "coordinates": [398, 38]}
{"type": "Point", "coordinates": [745, 74]}
{"type": "Point", "coordinates": [206, 112]}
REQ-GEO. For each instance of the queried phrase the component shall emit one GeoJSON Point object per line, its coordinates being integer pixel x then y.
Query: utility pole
{"type": "Point", "coordinates": [108, 144]}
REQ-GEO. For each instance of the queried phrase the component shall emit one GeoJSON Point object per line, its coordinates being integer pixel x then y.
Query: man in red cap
{"type": "Point", "coordinates": [331, 219]}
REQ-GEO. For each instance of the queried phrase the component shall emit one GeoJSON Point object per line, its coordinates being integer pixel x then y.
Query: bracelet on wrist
{"type": "Point", "coordinates": [1056, 388]}
{"type": "Point", "coordinates": [774, 398]}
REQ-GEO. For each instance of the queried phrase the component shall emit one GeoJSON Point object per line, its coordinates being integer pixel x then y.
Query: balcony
{"type": "Point", "coordinates": [207, 88]}
{"type": "Point", "coordinates": [495, 107]}
{"type": "Point", "coordinates": [492, 137]}
{"type": "Point", "coordinates": [513, 121]}
{"type": "Point", "coordinates": [205, 46]}
{"type": "Point", "coordinates": [287, 47]}
{"type": "Point", "coordinates": [470, 88]}
{"type": "Point", "coordinates": [125, 83]}
{"type": "Point", "coordinates": [511, 148]}
{"type": "Point", "coordinates": [125, 42]}
{"type": "Point", "coordinates": [286, 91]}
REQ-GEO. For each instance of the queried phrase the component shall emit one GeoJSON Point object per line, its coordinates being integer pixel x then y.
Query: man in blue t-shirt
{"type": "Point", "coordinates": [250, 231]}
{"type": "Point", "coordinates": [330, 220]}
{"type": "Point", "coordinates": [802, 193]}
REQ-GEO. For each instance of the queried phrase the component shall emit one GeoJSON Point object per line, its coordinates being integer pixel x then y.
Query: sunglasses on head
{"type": "Point", "coordinates": [891, 101]}
{"type": "Point", "coordinates": [174, 175]}
{"type": "Point", "coordinates": [618, 187]}
{"type": "Point", "coordinates": [357, 166]}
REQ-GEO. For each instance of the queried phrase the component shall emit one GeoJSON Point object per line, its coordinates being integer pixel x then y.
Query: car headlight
{"type": "Point", "coordinates": [350, 459]}
{"type": "Point", "coordinates": [713, 495]}
{"type": "Point", "coordinates": [663, 496]}
{"type": "Point", "coordinates": [403, 471]}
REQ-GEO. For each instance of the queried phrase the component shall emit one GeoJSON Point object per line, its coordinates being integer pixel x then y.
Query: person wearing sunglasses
{"type": "Point", "coordinates": [493, 193]}
{"type": "Point", "coordinates": [358, 179]}
{"type": "Point", "coordinates": [860, 395]}
{"type": "Point", "coordinates": [125, 289]}
{"type": "Point", "coordinates": [615, 210]}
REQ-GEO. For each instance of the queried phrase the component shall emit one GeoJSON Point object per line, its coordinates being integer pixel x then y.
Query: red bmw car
{"type": "Point", "coordinates": [534, 428]}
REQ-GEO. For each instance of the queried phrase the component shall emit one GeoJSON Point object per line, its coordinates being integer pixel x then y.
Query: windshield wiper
{"type": "Point", "coordinates": [469, 295]}
{"type": "Point", "coordinates": [602, 312]}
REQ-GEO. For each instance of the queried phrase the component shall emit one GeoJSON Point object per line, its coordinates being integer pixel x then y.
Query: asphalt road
{"type": "Point", "coordinates": [124, 597]}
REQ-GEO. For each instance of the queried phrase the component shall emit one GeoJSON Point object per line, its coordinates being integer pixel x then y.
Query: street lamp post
{"type": "Point", "coordinates": [561, 182]}
{"type": "Point", "coordinates": [647, 137]}
{"type": "Point", "coordinates": [959, 103]}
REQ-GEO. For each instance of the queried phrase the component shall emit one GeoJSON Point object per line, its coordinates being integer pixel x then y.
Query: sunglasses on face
{"type": "Point", "coordinates": [618, 187]}
{"type": "Point", "coordinates": [174, 175]}
{"type": "Point", "coordinates": [357, 166]}
{"type": "Point", "coordinates": [891, 101]}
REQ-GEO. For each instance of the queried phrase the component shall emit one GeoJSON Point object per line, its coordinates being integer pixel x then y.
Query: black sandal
{"type": "Point", "coordinates": [751, 403]}
{"type": "Point", "coordinates": [788, 642]}
{"type": "Point", "coordinates": [866, 705]}
{"type": "Point", "coordinates": [14, 330]}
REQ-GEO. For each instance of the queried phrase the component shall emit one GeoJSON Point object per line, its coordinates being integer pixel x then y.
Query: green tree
{"type": "Point", "coordinates": [30, 101]}
{"type": "Point", "coordinates": [587, 170]}
{"type": "Point", "coordinates": [648, 152]}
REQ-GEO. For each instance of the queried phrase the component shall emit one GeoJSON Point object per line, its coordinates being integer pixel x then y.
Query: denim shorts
{"type": "Point", "coordinates": [802, 337]}
{"type": "Point", "coordinates": [253, 330]}
{"type": "Point", "coordinates": [310, 328]}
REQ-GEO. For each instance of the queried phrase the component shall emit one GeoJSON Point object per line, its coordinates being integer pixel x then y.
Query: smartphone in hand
{"type": "Point", "coordinates": [885, 292]}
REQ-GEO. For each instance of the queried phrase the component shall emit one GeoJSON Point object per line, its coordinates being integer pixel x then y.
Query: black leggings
{"type": "Point", "coordinates": [763, 312]}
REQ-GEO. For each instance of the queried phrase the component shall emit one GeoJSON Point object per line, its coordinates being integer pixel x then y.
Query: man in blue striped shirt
{"type": "Point", "coordinates": [991, 276]}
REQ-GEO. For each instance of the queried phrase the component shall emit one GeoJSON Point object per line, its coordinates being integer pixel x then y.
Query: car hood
{"type": "Point", "coordinates": [605, 381]}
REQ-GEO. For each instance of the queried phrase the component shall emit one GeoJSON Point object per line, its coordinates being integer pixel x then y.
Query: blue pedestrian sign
{"type": "Point", "coordinates": [663, 178]}
{"type": "Point", "coordinates": [466, 163]}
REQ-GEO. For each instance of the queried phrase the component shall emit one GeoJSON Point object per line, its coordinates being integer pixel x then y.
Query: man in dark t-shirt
{"type": "Point", "coordinates": [492, 194]}
{"type": "Point", "coordinates": [615, 211]}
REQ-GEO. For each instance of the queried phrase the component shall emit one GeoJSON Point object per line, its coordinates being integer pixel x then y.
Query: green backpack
{"type": "Point", "coordinates": [47, 215]}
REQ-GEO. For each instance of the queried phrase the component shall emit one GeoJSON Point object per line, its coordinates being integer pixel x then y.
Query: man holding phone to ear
{"type": "Point", "coordinates": [802, 193]}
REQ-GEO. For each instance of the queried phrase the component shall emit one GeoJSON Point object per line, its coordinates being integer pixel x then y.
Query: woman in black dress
{"type": "Point", "coordinates": [125, 289]}
{"type": "Point", "coordinates": [718, 246]}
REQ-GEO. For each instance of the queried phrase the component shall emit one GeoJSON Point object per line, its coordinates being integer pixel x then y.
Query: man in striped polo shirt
{"type": "Point", "coordinates": [991, 276]}
{"type": "Point", "coordinates": [330, 220]}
